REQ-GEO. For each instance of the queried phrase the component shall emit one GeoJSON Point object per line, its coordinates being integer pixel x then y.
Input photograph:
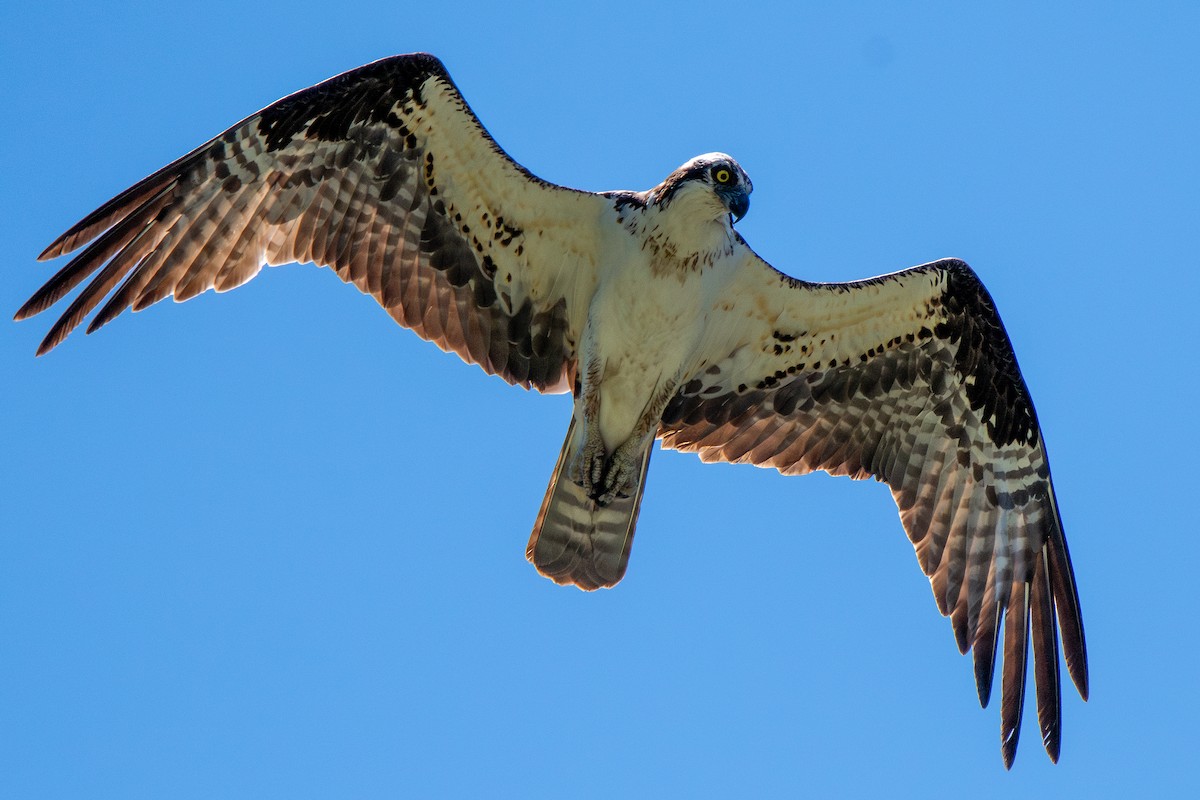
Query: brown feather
{"type": "Point", "coordinates": [1045, 656]}
{"type": "Point", "coordinates": [1012, 691]}
{"type": "Point", "coordinates": [1066, 601]}
{"type": "Point", "coordinates": [575, 541]}
{"type": "Point", "coordinates": [342, 174]}
{"type": "Point", "coordinates": [97, 253]}
{"type": "Point", "coordinates": [909, 378]}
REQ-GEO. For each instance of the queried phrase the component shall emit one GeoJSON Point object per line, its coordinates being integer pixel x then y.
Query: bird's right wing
{"type": "Point", "coordinates": [382, 173]}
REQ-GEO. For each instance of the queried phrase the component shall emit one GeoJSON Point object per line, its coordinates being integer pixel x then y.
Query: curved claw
{"type": "Point", "coordinates": [587, 470]}
{"type": "Point", "coordinates": [622, 470]}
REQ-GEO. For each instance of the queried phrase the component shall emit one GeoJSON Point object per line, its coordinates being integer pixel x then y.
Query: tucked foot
{"type": "Point", "coordinates": [588, 469]}
{"type": "Point", "coordinates": [621, 473]}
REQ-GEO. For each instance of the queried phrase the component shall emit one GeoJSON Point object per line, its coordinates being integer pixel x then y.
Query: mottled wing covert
{"type": "Point", "coordinates": [385, 175]}
{"type": "Point", "coordinates": [909, 378]}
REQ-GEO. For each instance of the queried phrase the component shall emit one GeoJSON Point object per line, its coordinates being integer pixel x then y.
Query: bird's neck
{"type": "Point", "coordinates": [691, 232]}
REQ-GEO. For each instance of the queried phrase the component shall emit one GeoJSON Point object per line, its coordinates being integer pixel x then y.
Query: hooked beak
{"type": "Point", "coordinates": [738, 204]}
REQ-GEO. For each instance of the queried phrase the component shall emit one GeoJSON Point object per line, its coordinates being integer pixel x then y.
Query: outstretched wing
{"type": "Point", "coordinates": [382, 173]}
{"type": "Point", "coordinates": [908, 378]}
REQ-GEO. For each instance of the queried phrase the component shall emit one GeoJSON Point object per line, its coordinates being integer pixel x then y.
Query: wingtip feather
{"type": "Point", "coordinates": [29, 309]}
{"type": "Point", "coordinates": [1012, 684]}
{"type": "Point", "coordinates": [1008, 751]}
{"type": "Point", "coordinates": [1045, 657]}
{"type": "Point", "coordinates": [59, 247]}
{"type": "Point", "coordinates": [984, 652]}
{"type": "Point", "coordinates": [1070, 619]}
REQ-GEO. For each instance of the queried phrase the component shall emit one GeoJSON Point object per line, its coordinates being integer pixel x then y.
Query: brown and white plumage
{"type": "Point", "coordinates": [348, 174]}
{"type": "Point", "coordinates": [909, 378]}
{"type": "Point", "coordinates": [653, 311]}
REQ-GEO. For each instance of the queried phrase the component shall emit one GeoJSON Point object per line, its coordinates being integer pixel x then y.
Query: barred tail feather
{"type": "Point", "coordinates": [576, 541]}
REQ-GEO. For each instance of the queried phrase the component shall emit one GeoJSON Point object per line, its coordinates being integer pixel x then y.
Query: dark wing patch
{"type": "Point", "coordinates": [996, 389]}
{"type": "Point", "coordinates": [911, 379]}
{"type": "Point", "coordinates": [382, 173]}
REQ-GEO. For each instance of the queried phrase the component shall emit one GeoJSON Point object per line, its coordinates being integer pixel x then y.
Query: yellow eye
{"type": "Point", "coordinates": [723, 176]}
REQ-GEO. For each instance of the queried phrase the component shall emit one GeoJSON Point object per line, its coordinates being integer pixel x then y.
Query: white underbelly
{"type": "Point", "coordinates": [645, 337]}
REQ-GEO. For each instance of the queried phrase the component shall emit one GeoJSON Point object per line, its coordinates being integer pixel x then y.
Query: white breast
{"type": "Point", "coordinates": [645, 328]}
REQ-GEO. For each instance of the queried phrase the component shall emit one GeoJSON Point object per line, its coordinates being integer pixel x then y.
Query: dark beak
{"type": "Point", "coordinates": [739, 204]}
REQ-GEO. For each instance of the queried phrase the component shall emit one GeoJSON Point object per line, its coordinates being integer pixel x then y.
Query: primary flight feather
{"type": "Point", "coordinates": [654, 312]}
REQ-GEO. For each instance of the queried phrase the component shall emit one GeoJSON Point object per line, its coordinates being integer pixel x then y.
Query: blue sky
{"type": "Point", "coordinates": [267, 544]}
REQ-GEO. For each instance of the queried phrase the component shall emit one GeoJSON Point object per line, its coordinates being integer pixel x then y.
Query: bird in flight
{"type": "Point", "coordinates": [653, 312]}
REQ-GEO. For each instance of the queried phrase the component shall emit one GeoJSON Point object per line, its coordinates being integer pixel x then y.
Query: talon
{"type": "Point", "coordinates": [587, 471]}
{"type": "Point", "coordinates": [620, 474]}
{"type": "Point", "coordinates": [596, 475]}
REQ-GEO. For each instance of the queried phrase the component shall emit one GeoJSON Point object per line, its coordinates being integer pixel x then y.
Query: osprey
{"type": "Point", "coordinates": [654, 312]}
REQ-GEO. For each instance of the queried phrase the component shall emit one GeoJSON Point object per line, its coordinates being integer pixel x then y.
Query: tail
{"type": "Point", "coordinates": [577, 541]}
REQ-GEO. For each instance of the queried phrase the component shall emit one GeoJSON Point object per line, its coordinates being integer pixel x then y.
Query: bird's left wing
{"type": "Point", "coordinates": [382, 173]}
{"type": "Point", "coordinates": [909, 378]}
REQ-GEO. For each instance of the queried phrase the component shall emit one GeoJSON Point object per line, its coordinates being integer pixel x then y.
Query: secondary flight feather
{"type": "Point", "coordinates": [653, 312]}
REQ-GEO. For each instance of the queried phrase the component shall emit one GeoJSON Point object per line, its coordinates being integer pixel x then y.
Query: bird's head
{"type": "Point", "coordinates": [712, 183]}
